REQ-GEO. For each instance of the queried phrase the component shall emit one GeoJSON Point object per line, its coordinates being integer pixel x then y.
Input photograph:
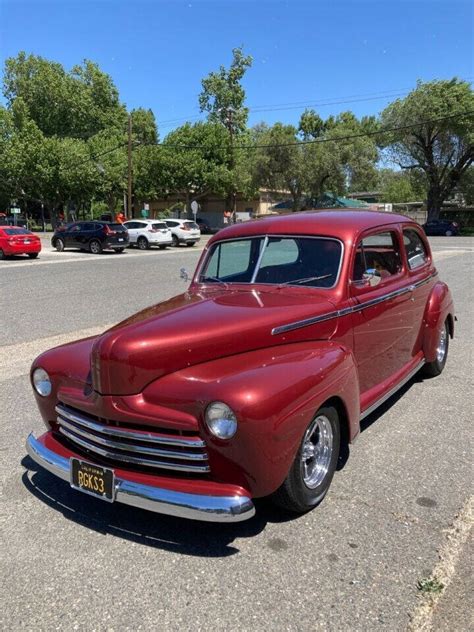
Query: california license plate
{"type": "Point", "coordinates": [27, 241]}
{"type": "Point", "coordinates": [121, 238]}
{"type": "Point", "coordinates": [92, 479]}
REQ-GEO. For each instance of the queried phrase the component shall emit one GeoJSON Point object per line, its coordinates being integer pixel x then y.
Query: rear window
{"type": "Point", "coordinates": [191, 225]}
{"type": "Point", "coordinates": [159, 226]}
{"type": "Point", "coordinates": [118, 227]}
{"type": "Point", "coordinates": [17, 231]}
{"type": "Point", "coordinates": [415, 249]}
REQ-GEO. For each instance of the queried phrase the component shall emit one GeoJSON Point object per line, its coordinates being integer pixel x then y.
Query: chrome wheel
{"type": "Point", "coordinates": [316, 452]}
{"type": "Point", "coordinates": [442, 345]}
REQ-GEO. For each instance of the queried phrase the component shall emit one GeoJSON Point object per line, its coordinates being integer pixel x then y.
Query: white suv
{"type": "Point", "coordinates": [184, 231]}
{"type": "Point", "coordinates": [145, 233]}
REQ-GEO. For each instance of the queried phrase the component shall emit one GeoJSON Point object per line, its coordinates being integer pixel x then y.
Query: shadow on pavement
{"type": "Point", "coordinates": [188, 537]}
{"type": "Point", "coordinates": [383, 408]}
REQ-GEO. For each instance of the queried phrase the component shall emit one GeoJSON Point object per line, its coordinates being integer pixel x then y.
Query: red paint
{"type": "Point", "coordinates": [163, 366]}
{"type": "Point", "coordinates": [15, 240]}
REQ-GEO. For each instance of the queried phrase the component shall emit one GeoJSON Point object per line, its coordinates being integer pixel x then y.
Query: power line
{"type": "Point", "coordinates": [275, 107]}
{"type": "Point", "coordinates": [334, 139]}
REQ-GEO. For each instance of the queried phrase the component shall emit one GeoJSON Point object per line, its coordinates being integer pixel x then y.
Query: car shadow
{"type": "Point", "coordinates": [178, 535]}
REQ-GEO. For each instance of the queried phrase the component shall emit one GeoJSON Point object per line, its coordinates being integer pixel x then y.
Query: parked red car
{"type": "Point", "coordinates": [15, 240]}
{"type": "Point", "coordinates": [293, 329]}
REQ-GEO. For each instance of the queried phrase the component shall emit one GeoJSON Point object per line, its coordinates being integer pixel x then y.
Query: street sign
{"type": "Point", "coordinates": [194, 207]}
{"type": "Point", "coordinates": [15, 211]}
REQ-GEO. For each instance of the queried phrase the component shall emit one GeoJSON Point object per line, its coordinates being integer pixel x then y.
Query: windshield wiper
{"type": "Point", "coordinates": [213, 278]}
{"type": "Point", "coordinates": [306, 280]}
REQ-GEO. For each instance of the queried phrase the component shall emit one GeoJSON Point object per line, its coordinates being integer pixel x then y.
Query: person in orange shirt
{"type": "Point", "coordinates": [120, 218]}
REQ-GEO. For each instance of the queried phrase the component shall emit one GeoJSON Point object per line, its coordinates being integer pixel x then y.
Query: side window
{"type": "Point", "coordinates": [172, 224]}
{"type": "Point", "coordinates": [379, 252]}
{"type": "Point", "coordinates": [76, 228]}
{"type": "Point", "coordinates": [140, 225]}
{"type": "Point", "coordinates": [230, 259]}
{"type": "Point", "coordinates": [415, 249]}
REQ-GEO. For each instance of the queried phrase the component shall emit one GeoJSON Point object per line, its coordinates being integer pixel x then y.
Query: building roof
{"type": "Point", "coordinates": [326, 200]}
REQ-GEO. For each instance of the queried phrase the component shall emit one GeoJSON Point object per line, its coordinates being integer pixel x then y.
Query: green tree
{"type": "Point", "coordinates": [108, 159]}
{"type": "Point", "coordinates": [144, 128]}
{"type": "Point", "coordinates": [279, 163]}
{"type": "Point", "coordinates": [223, 96]}
{"type": "Point", "coordinates": [78, 103]}
{"type": "Point", "coordinates": [400, 186]}
{"type": "Point", "coordinates": [444, 149]}
{"type": "Point", "coordinates": [195, 161]}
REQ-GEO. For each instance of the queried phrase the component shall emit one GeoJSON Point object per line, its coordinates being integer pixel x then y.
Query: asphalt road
{"type": "Point", "coordinates": [69, 562]}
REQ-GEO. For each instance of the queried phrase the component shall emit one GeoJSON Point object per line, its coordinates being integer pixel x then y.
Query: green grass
{"type": "Point", "coordinates": [430, 586]}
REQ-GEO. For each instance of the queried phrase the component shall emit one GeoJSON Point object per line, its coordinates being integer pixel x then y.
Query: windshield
{"type": "Point", "coordinates": [306, 261]}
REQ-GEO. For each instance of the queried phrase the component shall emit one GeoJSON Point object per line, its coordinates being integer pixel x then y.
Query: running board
{"type": "Point", "coordinates": [391, 392]}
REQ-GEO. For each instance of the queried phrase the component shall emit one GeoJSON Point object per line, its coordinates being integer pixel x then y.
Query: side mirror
{"type": "Point", "coordinates": [183, 274]}
{"type": "Point", "coordinates": [371, 277]}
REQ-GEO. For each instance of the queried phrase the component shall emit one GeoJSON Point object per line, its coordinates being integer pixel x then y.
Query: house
{"type": "Point", "coordinates": [213, 206]}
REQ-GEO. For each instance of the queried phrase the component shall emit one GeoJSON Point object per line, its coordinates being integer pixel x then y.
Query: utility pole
{"type": "Point", "coordinates": [128, 214]}
{"type": "Point", "coordinates": [229, 123]}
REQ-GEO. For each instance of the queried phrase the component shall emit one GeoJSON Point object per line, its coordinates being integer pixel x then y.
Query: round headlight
{"type": "Point", "coordinates": [221, 420]}
{"type": "Point", "coordinates": [41, 382]}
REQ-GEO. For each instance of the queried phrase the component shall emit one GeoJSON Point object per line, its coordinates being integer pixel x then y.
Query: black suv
{"type": "Point", "coordinates": [92, 236]}
{"type": "Point", "coordinates": [441, 227]}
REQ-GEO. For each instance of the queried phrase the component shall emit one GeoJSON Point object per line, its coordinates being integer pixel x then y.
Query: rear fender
{"type": "Point", "coordinates": [439, 308]}
{"type": "Point", "coordinates": [275, 393]}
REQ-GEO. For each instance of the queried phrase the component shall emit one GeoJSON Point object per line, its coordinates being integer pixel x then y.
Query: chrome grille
{"type": "Point", "coordinates": [154, 449]}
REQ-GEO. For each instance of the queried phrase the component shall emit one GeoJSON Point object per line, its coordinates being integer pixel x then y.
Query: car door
{"type": "Point", "coordinates": [70, 236]}
{"type": "Point", "coordinates": [382, 312]}
{"type": "Point", "coordinates": [132, 228]}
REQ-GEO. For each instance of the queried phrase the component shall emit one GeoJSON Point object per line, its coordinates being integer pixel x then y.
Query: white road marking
{"type": "Point", "coordinates": [15, 360]}
{"type": "Point", "coordinates": [85, 257]}
{"type": "Point", "coordinates": [447, 254]}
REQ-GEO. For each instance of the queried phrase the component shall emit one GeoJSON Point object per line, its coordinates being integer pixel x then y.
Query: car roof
{"type": "Point", "coordinates": [343, 224]}
{"type": "Point", "coordinates": [141, 219]}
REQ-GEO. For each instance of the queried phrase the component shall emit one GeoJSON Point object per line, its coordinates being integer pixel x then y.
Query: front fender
{"type": "Point", "coordinates": [275, 393]}
{"type": "Point", "coordinates": [438, 308]}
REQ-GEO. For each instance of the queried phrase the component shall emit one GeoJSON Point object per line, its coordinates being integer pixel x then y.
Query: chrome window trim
{"type": "Point", "coordinates": [266, 238]}
{"type": "Point", "coordinates": [350, 310]}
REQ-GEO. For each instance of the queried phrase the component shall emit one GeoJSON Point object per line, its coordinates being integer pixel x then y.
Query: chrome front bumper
{"type": "Point", "coordinates": [165, 501]}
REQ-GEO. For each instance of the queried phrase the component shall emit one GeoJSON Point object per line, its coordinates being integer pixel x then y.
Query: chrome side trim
{"type": "Point", "coordinates": [140, 435]}
{"type": "Point", "coordinates": [125, 458]}
{"type": "Point", "coordinates": [351, 310]}
{"type": "Point", "coordinates": [157, 499]}
{"type": "Point", "coordinates": [391, 392]}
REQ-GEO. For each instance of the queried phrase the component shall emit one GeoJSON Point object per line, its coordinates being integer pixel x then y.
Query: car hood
{"type": "Point", "coordinates": [198, 326]}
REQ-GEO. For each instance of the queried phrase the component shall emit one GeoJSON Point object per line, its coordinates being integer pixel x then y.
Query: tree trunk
{"type": "Point", "coordinates": [434, 202]}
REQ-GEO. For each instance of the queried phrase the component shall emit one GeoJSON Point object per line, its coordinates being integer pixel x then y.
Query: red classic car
{"type": "Point", "coordinates": [293, 329]}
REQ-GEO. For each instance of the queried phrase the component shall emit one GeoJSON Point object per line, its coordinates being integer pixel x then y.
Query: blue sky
{"type": "Point", "coordinates": [304, 51]}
